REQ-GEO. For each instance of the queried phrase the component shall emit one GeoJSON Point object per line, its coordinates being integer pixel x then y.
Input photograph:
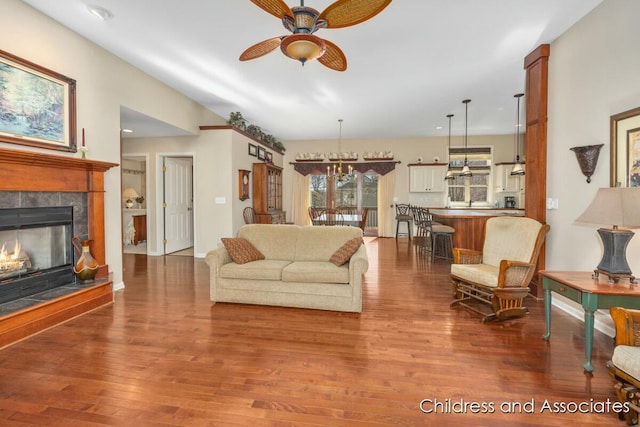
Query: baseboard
{"type": "Point", "coordinates": [602, 320]}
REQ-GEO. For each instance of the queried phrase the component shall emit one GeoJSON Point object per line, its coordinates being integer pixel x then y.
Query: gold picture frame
{"type": "Point", "coordinates": [625, 149]}
{"type": "Point", "coordinates": [37, 105]}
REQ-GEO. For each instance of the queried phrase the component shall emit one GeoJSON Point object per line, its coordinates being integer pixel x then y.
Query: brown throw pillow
{"type": "Point", "coordinates": [343, 254]}
{"type": "Point", "coordinates": [241, 250]}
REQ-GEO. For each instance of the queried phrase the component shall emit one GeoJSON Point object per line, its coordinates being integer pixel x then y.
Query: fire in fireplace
{"type": "Point", "coordinates": [36, 252]}
{"type": "Point", "coordinates": [12, 263]}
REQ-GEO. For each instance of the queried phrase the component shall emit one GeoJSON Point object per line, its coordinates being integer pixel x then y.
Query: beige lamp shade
{"type": "Point", "coordinates": [618, 206]}
{"type": "Point", "coordinates": [129, 193]}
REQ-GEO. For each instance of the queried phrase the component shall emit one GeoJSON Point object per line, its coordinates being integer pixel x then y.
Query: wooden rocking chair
{"type": "Point", "coordinates": [624, 366]}
{"type": "Point", "coordinates": [499, 275]}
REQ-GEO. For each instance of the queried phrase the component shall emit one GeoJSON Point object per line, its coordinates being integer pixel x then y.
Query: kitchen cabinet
{"type": "Point", "coordinates": [427, 177]}
{"type": "Point", "coordinates": [505, 182]}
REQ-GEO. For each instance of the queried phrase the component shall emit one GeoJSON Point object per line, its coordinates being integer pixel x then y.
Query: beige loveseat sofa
{"type": "Point", "coordinates": [296, 271]}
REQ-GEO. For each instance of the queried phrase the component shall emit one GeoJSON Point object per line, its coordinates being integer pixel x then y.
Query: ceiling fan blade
{"type": "Point", "coordinates": [333, 57]}
{"type": "Point", "coordinates": [261, 49]}
{"type": "Point", "coordinates": [277, 8]}
{"type": "Point", "coordinates": [344, 13]}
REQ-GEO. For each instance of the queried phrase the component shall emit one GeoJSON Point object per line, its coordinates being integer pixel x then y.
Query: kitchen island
{"type": "Point", "coordinates": [469, 223]}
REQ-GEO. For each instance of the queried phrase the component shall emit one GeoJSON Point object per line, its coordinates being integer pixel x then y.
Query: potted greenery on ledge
{"type": "Point", "coordinates": [236, 120]}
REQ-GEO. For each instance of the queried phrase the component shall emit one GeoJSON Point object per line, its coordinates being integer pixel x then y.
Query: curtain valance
{"type": "Point", "coordinates": [381, 168]}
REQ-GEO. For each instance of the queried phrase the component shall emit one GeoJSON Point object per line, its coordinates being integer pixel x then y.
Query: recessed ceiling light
{"type": "Point", "coordinates": [100, 12]}
{"type": "Point", "coordinates": [438, 127]}
{"type": "Point", "coordinates": [127, 131]}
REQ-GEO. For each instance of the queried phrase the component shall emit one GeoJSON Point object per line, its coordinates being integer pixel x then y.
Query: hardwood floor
{"type": "Point", "coordinates": [163, 355]}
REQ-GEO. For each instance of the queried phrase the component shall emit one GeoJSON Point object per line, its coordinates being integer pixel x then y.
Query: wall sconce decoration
{"type": "Point", "coordinates": [587, 158]}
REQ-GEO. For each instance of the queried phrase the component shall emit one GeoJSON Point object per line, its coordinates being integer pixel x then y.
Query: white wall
{"type": "Point", "coordinates": [104, 84]}
{"type": "Point", "coordinates": [593, 74]}
{"type": "Point", "coordinates": [218, 155]}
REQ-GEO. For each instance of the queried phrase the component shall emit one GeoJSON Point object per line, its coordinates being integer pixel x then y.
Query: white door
{"type": "Point", "coordinates": [178, 203]}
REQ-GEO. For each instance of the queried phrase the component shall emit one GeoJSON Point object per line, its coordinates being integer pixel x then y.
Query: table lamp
{"type": "Point", "coordinates": [621, 207]}
{"type": "Point", "coordinates": [129, 193]}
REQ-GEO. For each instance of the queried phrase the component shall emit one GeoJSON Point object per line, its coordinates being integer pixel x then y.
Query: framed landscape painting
{"type": "Point", "coordinates": [37, 105]}
{"type": "Point", "coordinates": [633, 157]}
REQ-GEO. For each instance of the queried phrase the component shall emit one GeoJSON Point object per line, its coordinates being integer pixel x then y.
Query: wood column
{"type": "Point", "coordinates": [536, 65]}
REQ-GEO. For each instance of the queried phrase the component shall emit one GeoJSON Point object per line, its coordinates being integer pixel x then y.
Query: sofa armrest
{"type": "Point", "coordinates": [359, 262]}
{"type": "Point", "coordinates": [358, 265]}
{"type": "Point", "coordinates": [216, 259]}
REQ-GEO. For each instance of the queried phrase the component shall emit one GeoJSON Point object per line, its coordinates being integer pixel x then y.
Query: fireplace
{"type": "Point", "coordinates": [54, 183]}
{"type": "Point", "coordinates": [36, 254]}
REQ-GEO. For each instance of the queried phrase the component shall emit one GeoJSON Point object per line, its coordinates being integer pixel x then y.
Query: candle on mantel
{"type": "Point", "coordinates": [83, 137]}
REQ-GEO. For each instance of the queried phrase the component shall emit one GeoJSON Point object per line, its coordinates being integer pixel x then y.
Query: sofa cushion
{"type": "Point", "coordinates": [261, 270]}
{"type": "Point", "coordinates": [345, 251]}
{"type": "Point", "coordinates": [274, 241]}
{"type": "Point", "coordinates": [627, 359]}
{"type": "Point", "coordinates": [482, 274]}
{"type": "Point", "coordinates": [315, 272]}
{"type": "Point", "coordinates": [241, 250]}
{"type": "Point", "coordinates": [318, 243]}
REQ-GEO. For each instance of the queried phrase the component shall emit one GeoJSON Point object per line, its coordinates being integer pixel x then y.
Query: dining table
{"type": "Point", "coordinates": [348, 219]}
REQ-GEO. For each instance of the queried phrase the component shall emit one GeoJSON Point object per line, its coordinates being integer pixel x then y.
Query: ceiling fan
{"type": "Point", "coordinates": [303, 21]}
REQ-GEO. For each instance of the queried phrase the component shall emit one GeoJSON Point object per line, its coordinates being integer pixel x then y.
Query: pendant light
{"type": "Point", "coordinates": [465, 169]}
{"type": "Point", "coordinates": [517, 168]}
{"type": "Point", "coordinates": [449, 176]}
{"type": "Point", "coordinates": [339, 172]}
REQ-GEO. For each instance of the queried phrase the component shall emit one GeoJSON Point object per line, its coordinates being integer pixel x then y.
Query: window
{"type": "Point", "coordinates": [358, 191]}
{"type": "Point", "coordinates": [474, 189]}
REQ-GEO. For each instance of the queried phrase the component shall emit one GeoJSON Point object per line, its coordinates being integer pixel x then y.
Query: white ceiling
{"type": "Point", "coordinates": [408, 67]}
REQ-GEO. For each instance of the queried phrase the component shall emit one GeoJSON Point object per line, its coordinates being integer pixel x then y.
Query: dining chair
{"type": "Point", "coordinates": [363, 220]}
{"type": "Point", "coordinates": [249, 215]}
{"type": "Point", "coordinates": [347, 210]}
{"type": "Point", "coordinates": [314, 212]}
{"type": "Point", "coordinates": [329, 217]}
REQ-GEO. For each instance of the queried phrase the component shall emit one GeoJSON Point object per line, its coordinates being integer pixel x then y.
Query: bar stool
{"type": "Point", "coordinates": [442, 241]}
{"type": "Point", "coordinates": [403, 214]}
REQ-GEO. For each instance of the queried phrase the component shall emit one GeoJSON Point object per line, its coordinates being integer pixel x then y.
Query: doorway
{"type": "Point", "coordinates": [177, 203]}
{"type": "Point", "coordinates": [134, 182]}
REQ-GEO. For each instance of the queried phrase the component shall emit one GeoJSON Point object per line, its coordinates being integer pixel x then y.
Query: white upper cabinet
{"type": "Point", "coordinates": [507, 183]}
{"type": "Point", "coordinates": [428, 178]}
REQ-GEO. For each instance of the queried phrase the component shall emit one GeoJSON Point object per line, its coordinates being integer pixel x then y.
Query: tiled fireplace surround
{"type": "Point", "coordinates": [29, 179]}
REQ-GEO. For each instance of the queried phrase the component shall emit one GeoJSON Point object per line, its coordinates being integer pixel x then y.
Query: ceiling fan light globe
{"type": "Point", "coordinates": [303, 47]}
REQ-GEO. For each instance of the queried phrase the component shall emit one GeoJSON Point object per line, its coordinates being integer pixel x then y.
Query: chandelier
{"type": "Point", "coordinates": [339, 171]}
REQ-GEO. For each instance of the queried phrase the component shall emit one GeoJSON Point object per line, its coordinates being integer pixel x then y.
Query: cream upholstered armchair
{"type": "Point", "coordinates": [624, 366]}
{"type": "Point", "coordinates": [500, 274]}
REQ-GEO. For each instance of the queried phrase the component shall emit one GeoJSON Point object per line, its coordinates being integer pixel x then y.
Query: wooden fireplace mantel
{"type": "Point", "coordinates": [32, 171]}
